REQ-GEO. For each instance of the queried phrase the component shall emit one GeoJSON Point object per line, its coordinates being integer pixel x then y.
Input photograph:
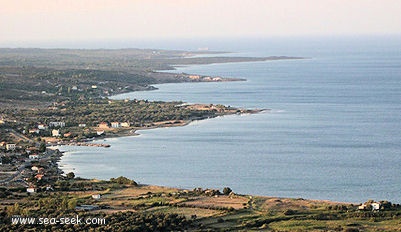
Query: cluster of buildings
{"type": "Point", "coordinates": [202, 78]}
{"type": "Point", "coordinates": [43, 127]}
{"type": "Point", "coordinates": [374, 206]}
{"type": "Point", "coordinates": [105, 125]}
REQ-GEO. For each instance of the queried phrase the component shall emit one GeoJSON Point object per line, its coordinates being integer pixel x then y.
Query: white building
{"type": "Point", "coordinates": [125, 124]}
{"type": "Point", "coordinates": [96, 196]}
{"type": "Point", "coordinates": [10, 146]}
{"type": "Point", "coordinates": [100, 132]}
{"type": "Point", "coordinates": [115, 124]}
{"type": "Point", "coordinates": [42, 127]}
{"type": "Point", "coordinates": [33, 131]}
{"type": "Point", "coordinates": [31, 190]}
{"type": "Point", "coordinates": [55, 133]}
{"type": "Point", "coordinates": [375, 206]}
{"type": "Point", "coordinates": [82, 125]}
{"type": "Point", "coordinates": [56, 124]}
{"type": "Point", "coordinates": [33, 157]}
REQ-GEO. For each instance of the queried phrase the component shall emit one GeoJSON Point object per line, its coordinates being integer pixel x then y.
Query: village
{"type": "Point", "coordinates": [29, 138]}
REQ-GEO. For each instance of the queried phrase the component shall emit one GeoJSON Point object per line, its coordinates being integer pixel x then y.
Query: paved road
{"type": "Point", "coordinates": [17, 173]}
{"type": "Point", "coordinates": [22, 137]}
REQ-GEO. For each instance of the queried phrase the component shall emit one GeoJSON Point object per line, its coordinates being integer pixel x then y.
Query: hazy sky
{"type": "Point", "coordinates": [69, 20]}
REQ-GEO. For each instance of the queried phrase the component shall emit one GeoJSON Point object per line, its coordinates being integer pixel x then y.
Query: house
{"type": "Point", "coordinates": [94, 86]}
{"type": "Point", "coordinates": [34, 168]}
{"type": "Point", "coordinates": [75, 88]}
{"type": "Point", "coordinates": [67, 134]}
{"type": "Point", "coordinates": [34, 130]}
{"type": "Point", "coordinates": [362, 207]}
{"type": "Point", "coordinates": [31, 190]}
{"type": "Point", "coordinates": [115, 124]}
{"type": "Point", "coordinates": [96, 196]}
{"type": "Point", "coordinates": [100, 132]}
{"type": "Point", "coordinates": [2, 144]}
{"type": "Point", "coordinates": [10, 146]}
{"type": "Point", "coordinates": [375, 206]}
{"type": "Point", "coordinates": [33, 157]}
{"type": "Point", "coordinates": [367, 206]}
{"type": "Point", "coordinates": [42, 127]}
{"type": "Point", "coordinates": [56, 133]}
{"type": "Point", "coordinates": [194, 77]}
{"type": "Point", "coordinates": [82, 125]}
{"type": "Point", "coordinates": [125, 124]}
{"type": "Point", "coordinates": [103, 125]}
{"type": "Point", "coordinates": [57, 124]}
{"type": "Point", "coordinates": [39, 176]}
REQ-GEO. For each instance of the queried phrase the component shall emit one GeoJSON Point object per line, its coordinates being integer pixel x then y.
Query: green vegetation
{"type": "Point", "coordinates": [129, 207]}
{"type": "Point", "coordinates": [123, 181]}
{"type": "Point", "coordinates": [136, 114]}
{"type": "Point", "coordinates": [41, 75]}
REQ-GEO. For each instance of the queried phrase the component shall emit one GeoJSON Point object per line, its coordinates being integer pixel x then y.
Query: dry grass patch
{"type": "Point", "coordinates": [186, 211]}
{"type": "Point", "coordinates": [236, 202]}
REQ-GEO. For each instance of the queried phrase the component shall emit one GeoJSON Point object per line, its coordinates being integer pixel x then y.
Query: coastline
{"type": "Point", "coordinates": [133, 131]}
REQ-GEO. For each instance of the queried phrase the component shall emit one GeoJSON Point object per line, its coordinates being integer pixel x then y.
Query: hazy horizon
{"type": "Point", "coordinates": [44, 23]}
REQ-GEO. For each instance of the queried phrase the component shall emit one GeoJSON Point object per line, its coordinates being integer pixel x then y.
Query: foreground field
{"type": "Point", "coordinates": [128, 207]}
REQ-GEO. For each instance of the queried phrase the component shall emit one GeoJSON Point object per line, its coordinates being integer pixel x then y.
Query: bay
{"type": "Point", "coordinates": [332, 130]}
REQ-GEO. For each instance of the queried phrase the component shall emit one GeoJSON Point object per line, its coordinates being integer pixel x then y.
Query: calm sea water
{"type": "Point", "coordinates": [332, 131]}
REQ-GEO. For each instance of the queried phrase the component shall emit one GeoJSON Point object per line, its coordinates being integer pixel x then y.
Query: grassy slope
{"type": "Point", "coordinates": [232, 213]}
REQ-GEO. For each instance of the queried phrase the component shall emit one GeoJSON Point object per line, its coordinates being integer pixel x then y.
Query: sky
{"type": "Point", "coordinates": [24, 21]}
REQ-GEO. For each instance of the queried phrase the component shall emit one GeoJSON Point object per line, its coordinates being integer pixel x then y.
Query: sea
{"type": "Point", "coordinates": [331, 128]}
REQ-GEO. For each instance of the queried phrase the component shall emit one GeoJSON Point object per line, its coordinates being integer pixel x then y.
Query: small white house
{"type": "Point", "coordinates": [100, 132]}
{"type": "Point", "coordinates": [375, 206]}
{"type": "Point", "coordinates": [31, 189]}
{"type": "Point", "coordinates": [33, 131]}
{"type": "Point", "coordinates": [56, 133]}
{"type": "Point", "coordinates": [42, 127]}
{"type": "Point", "coordinates": [33, 157]}
{"type": "Point", "coordinates": [96, 196]}
{"type": "Point", "coordinates": [82, 125]}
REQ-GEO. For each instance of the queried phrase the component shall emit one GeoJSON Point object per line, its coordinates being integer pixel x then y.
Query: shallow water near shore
{"type": "Point", "coordinates": [333, 131]}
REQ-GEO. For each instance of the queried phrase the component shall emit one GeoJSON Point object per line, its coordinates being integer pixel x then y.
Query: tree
{"type": "Point", "coordinates": [72, 203]}
{"type": "Point", "coordinates": [42, 147]}
{"type": "Point", "coordinates": [227, 191]}
{"type": "Point", "coordinates": [123, 180]}
{"type": "Point", "coordinates": [70, 175]}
